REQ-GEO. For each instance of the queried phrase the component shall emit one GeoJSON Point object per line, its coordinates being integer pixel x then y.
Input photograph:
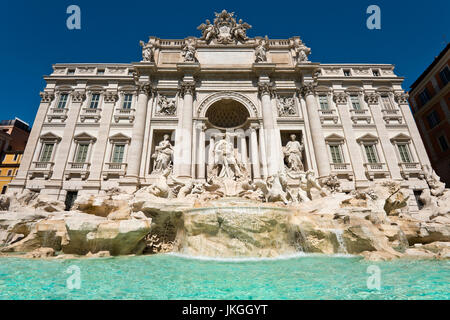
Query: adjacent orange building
{"type": "Point", "coordinates": [429, 98]}
{"type": "Point", "coordinates": [13, 139]}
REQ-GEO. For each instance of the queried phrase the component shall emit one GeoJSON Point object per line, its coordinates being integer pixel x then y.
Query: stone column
{"type": "Point", "coordinates": [137, 138]}
{"type": "Point", "coordinates": [402, 100]}
{"type": "Point", "coordinates": [388, 149]}
{"type": "Point", "coordinates": [185, 161]}
{"type": "Point", "coordinates": [254, 152]}
{"type": "Point", "coordinates": [201, 167]}
{"type": "Point", "coordinates": [265, 89]}
{"type": "Point", "coordinates": [320, 149]}
{"type": "Point", "coordinates": [243, 145]}
{"type": "Point", "coordinates": [211, 152]}
{"type": "Point", "coordinates": [356, 159]}
{"type": "Point", "coordinates": [262, 146]}
{"type": "Point", "coordinates": [19, 181]}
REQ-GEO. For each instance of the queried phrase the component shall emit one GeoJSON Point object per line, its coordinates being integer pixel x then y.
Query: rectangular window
{"type": "Point", "coordinates": [4, 189]}
{"type": "Point", "coordinates": [47, 151]}
{"type": "Point", "coordinates": [95, 101]}
{"type": "Point", "coordinates": [71, 72]}
{"type": "Point", "coordinates": [82, 153]}
{"type": "Point", "coordinates": [443, 143]}
{"type": "Point", "coordinates": [424, 96]}
{"type": "Point", "coordinates": [371, 153]}
{"type": "Point", "coordinates": [336, 155]}
{"type": "Point", "coordinates": [376, 73]}
{"type": "Point", "coordinates": [404, 153]}
{"type": "Point", "coordinates": [101, 71]}
{"type": "Point", "coordinates": [387, 102]}
{"type": "Point", "coordinates": [9, 173]}
{"type": "Point", "coordinates": [347, 73]}
{"type": "Point", "coordinates": [127, 99]}
{"type": "Point", "coordinates": [355, 102]}
{"type": "Point", "coordinates": [16, 156]}
{"type": "Point", "coordinates": [445, 75]}
{"type": "Point", "coordinates": [119, 150]}
{"type": "Point", "coordinates": [323, 101]}
{"type": "Point", "coordinates": [433, 119]}
{"type": "Point", "coordinates": [63, 100]}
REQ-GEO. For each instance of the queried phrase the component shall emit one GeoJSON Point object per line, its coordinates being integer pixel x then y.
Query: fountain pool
{"type": "Point", "coordinates": [172, 276]}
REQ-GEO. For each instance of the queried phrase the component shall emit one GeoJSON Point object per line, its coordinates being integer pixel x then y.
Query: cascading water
{"type": "Point", "coordinates": [340, 240]}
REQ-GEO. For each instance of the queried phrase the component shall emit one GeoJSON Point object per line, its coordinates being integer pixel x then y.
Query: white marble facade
{"type": "Point", "coordinates": [103, 126]}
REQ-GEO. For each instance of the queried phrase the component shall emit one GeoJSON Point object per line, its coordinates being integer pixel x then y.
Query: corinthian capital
{"type": "Point", "coordinates": [340, 98]}
{"type": "Point", "coordinates": [111, 96]}
{"type": "Point", "coordinates": [187, 88]}
{"type": "Point", "coordinates": [145, 88]}
{"type": "Point", "coordinates": [371, 98]}
{"type": "Point", "coordinates": [308, 89]}
{"type": "Point", "coordinates": [47, 96]}
{"type": "Point", "coordinates": [266, 88]}
{"type": "Point", "coordinates": [78, 96]}
{"type": "Point", "coordinates": [401, 98]}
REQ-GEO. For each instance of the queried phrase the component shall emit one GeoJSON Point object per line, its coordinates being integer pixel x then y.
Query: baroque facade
{"type": "Point", "coordinates": [222, 110]}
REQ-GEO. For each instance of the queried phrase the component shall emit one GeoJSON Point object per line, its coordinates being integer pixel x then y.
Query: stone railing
{"type": "Point", "coordinates": [362, 114]}
{"type": "Point", "coordinates": [410, 168]}
{"type": "Point", "coordinates": [78, 168]}
{"type": "Point", "coordinates": [392, 114]}
{"type": "Point", "coordinates": [328, 114]}
{"type": "Point", "coordinates": [41, 168]}
{"type": "Point", "coordinates": [342, 169]}
{"type": "Point", "coordinates": [90, 113]}
{"type": "Point", "coordinates": [376, 168]}
{"type": "Point", "coordinates": [114, 169]}
{"type": "Point", "coordinates": [57, 113]}
{"type": "Point", "coordinates": [128, 114]}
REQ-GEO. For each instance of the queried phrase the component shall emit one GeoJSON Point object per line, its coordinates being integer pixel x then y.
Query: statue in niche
{"type": "Point", "coordinates": [163, 155]}
{"type": "Point", "coordinates": [147, 52]}
{"type": "Point", "coordinates": [225, 158]}
{"type": "Point", "coordinates": [166, 107]}
{"type": "Point", "coordinates": [286, 106]}
{"type": "Point", "coordinates": [261, 50]}
{"type": "Point", "coordinates": [189, 51]}
{"type": "Point", "coordinates": [293, 153]}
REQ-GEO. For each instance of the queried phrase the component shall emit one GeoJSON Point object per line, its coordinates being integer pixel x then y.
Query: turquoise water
{"type": "Point", "coordinates": [174, 277]}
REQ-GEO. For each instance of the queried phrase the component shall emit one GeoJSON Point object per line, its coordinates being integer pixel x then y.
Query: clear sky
{"type": "Point", "coordinates": [34, 35]}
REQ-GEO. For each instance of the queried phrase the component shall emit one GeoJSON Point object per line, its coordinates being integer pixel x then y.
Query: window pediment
{"type": "Point", "coordinates": [401, 137]}
{"type": "Point", "coordinates": [335, 138]}
{"type": "Point", "coordinates": [367, 138]}
{"type": "Point", "coordinates": [84, 137]}
{"type": "Point", "coordinates": [119, 137]}
{"type": "Point", "coordinates": [49, 136]}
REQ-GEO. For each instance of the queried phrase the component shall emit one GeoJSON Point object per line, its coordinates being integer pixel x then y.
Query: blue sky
{"type": "Point", "coordinates": [34, 35]}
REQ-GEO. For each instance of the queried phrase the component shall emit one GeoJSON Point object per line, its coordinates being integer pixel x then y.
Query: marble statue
{"type": "Point", "coordinates": [163, 155]}
{"type": "Point", "coordinates": [261, 50]}
{"type": "Point", "coordinates": [301, 51]}
{"type": "Point", "coordinates": [274, 188]}
{"type": "Point", "coordinates": [308, 181]}
{"type": "Point", "coordinates": [332, 183]}
{"type": "Point", "coordinates": [224, 156]}
{"type": "Point", "coordinates": [225, 29]}
{"type": "Point", "coordinates": [189, 51]}
{"type": "Point", "coordinates": [161, 188]}
{"type": "Point", "coordinates": [167, 106]}
{"type": "Point", "coordinates": [293, 152]}
{"type": "Point", "coordinates": [239, 31]}
{"type": "Point", "coordinates": [286, 106]}
{"type": "Point", "coordinates": [208, 31]}
{"type": "Point", "coordinates": [147, 52]}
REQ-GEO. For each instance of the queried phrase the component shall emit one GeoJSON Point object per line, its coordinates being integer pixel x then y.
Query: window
{"type": "Point", "coordinates": [376, 73]}
{"type": "Point", "coordinates": [433, 119]}
{"type": "Point", "coordinates": [128, 98]}
{"type": "Point", "coordinates": [323, 101]}
{"type": "Point", "coordinates": [101, 71]}
{"type": "Point", "coordinates": [16, 156]}
{"type": "Point", "coordinates": [82, 152]}
{"type": "Point", "coordinates": [336, 154]}
{"type": "Point", "coordinates": [387, 102]}
{"type": "Point", "coordinates": [94, 101]}
{"type": "Point", "coordinates": [355, 102]}
{"type": "Point", "coordinates": [371, 153]}
{"type": "Point", "coordinates": [47, 151]}
{"type": "Point", "coordinates": [417, 194]}
{"type": "Point", "coordinates": [443, 143]}
{"type": "Point", "coordinates": [119, 150]}
{"type": "Point", "coordinates": [404, 153]}
{"type": "Point", "coordinates": [63, 100]}
{"type": "Point", "coordinates": [71, 72]}
{"type": "Point", "coordinates": [424, 96]}
{"type": "Point", "coordinates": [4, 189]}
{"type": "Point", "coordinates": [445, 75]}
{"type": "Point", "coordinates": [346, 72]}
{"type": "Point", "coordinates": [9, 174]}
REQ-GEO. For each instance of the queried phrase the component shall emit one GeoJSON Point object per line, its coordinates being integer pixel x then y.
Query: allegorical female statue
{"type": "Point", "coordinates": [294, 154]}
{"type": "Point", "coordinates": [163, 155]}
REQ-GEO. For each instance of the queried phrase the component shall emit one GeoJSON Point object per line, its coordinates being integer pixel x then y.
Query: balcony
{"type": "Point", "coordinates": [328, 115]}
{"type": "Point", "coordinates": [376, 170]}
{"type": "Point", "coordinates": [114, 169]}
{"type": "Point", "coordinates": [75, 169]}
{"type": "Point", "coordinates": [408, 169]}
{"type": "Point", "coordinates": [128, 114]}
{"type": "Point", "coordinates": [392, 114]}
{"type": "Point", "coordinates": [342, 169]}
{"type": "Point", "coordinates": [90, 113]}
{"type": "Point", "coordinates": [57, 113]}
{"type": "Point", "coordinates": [41, 169]}
{"type": "Point", "coordinates": [360, 115]}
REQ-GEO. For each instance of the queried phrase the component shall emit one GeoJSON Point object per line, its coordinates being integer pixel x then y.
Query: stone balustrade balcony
{"type": "Point", "coordinates": [127, 114]}
{"type": "Point", "coordinates": [328, 115]}
{"type": "Point", "coordinates": [80, 169]}
{"type": "Point", "coordinates": [392, 114]}
{"type": "Point", "coordinates": [360, 115]}
{"type": "Point", "coordinates": [57, 113]}
{"type": "Point", "coordinates": [408, 169]}
{"type": "Point", "coordinates": [90, 113]}
{"type": "Point", "coordinates": [376, 169]}
{"type": "Point", "coordinates": [41, 169]}
{"type": "Point", "coordinates": [115, 169]}
{"type": "Point", "coordinates": [342, 170]}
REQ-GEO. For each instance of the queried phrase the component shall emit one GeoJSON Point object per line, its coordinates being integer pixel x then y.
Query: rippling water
{"type": "Point", "coordinates": [175, 277]}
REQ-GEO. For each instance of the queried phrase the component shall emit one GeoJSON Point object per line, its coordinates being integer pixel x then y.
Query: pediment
{"type": "Point", "coordinates": [50, 136]}
{"type": "Point", "coordinates": [367, 137]}
{"type": "Point", "coordinates": [401, 137]}
{"type": "Point", "coordinates": [334, 137]}
{"type": "Point", "coordinates": [119, 137]}
{"type": "Point", "coordinates": [84, 136]}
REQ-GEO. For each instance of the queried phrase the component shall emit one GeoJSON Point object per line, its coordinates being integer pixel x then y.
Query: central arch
{"type": "Point", "coordinates": [227, 114]}
{"type": "Point", "coordinates": [227, 95]}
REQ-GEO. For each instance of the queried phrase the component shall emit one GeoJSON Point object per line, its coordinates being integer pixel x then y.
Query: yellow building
{"type": "Point", "coordinates": [8, 168]}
